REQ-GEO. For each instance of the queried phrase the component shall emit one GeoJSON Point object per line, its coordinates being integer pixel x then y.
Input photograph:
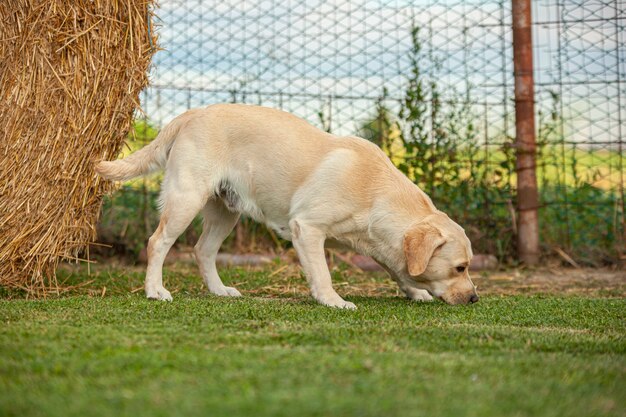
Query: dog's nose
{"type": "Point", "coordinates": [474, 299]}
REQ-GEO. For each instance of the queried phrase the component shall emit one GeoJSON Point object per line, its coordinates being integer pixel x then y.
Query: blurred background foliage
{"type": "Point", "coordinates": [435, 137]}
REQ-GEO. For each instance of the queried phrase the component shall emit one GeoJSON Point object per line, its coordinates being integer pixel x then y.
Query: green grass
{"type": "Point", "coordinates": [536, 355]}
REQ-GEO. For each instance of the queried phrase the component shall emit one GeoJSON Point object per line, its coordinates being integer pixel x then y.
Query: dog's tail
{"type": "Point", "coordinates": [150, 158]}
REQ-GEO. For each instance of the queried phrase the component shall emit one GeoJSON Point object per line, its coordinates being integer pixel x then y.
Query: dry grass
{"type": "Point", "coordinates": [283, 280]}
{"type": "Point", "coordinates": [70, 78]}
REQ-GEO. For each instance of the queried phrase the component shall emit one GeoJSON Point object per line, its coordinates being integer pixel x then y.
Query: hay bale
{"type": "Point", "coordinates": [70, 77]}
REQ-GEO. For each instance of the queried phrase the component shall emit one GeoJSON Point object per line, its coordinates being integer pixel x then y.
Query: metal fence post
{"type": "Point", "coordinates": [525, 145]}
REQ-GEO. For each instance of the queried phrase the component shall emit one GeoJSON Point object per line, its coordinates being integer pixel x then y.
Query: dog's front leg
{"type": "Point", "coordinates": [309, 243]}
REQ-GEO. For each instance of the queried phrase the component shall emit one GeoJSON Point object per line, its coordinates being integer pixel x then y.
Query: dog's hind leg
{"type": "Point", "coordinates": [309, 243]}
{"type": "Point", "coordinates": [179, 209]}
{"type": "Point", "coordinates": [218, 223]}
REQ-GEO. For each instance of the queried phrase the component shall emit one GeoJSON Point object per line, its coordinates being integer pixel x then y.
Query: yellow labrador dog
{"type": "Point", "coordinates": [311, 187]}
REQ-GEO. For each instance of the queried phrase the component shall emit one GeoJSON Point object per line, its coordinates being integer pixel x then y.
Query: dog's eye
{"type": "Point", "coordinates": [460, 269]}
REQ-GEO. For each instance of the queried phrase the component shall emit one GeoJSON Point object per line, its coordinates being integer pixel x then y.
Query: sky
{"type": "Point", "coordinates": [336, 56]}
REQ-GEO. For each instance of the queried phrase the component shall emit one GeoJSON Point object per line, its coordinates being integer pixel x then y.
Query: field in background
{"type": "Point", "coordinates": [549, 347]}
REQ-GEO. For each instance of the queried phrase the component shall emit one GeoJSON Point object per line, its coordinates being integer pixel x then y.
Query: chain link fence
{"type": "Point", "coordinates": [434, 73]}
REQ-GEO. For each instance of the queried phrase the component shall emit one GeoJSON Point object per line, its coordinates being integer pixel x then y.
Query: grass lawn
{"type": "Point", "coordinates": [102, 350]}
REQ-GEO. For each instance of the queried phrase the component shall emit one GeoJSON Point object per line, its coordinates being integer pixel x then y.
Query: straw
{"type": "Point", "coordinates": [70, 78]}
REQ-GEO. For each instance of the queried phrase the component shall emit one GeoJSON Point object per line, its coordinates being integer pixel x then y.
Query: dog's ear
{"type": "Point", "coordinates": [420, 241]}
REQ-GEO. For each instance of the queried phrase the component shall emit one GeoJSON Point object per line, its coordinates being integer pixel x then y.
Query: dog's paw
{"type": "Point", "coordinates": [419, 295]}
{"type": "Point", "coordinates": [226, 292]}
{"type": "Point", "coordinates": [158, 293]}
{"type": "Point", "coordinates": [338, 303]}
{"type": "Point", "coordinates": [347, 305]}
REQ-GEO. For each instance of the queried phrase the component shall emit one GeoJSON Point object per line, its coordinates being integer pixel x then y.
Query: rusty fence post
{"type": "Point", "coordinates": [525, 145]}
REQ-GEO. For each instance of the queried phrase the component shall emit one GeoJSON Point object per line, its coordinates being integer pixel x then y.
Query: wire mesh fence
{"type": "Point", "coordinates": [432, 83]}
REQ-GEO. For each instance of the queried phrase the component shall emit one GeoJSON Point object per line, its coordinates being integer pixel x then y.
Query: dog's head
{"type": "Point", "coordinates": [438, 254]}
